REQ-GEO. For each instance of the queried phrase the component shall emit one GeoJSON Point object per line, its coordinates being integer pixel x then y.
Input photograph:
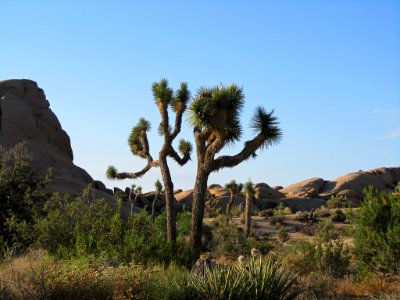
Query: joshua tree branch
{"type": "Point", "coordinates": [165, 122]}
{"type": "Point", "coordinates": [177, 158]}
{"type": "Point", "coordinates": [146, 148]}
{"type": "Point", "coordinates": [249, 149]}
{"type": "Point", "coordinates": [178, 122]}
{"type": "Point", "coordinates": [125, 175]}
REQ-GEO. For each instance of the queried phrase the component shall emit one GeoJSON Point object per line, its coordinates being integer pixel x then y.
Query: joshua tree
{"type": "Point", "coordinates": [164, 98]}
{"type": "Point", "coordinates": [137, 191]}
{"type": "Point", "coordinates": [233, 189]}
{"type": "Point", "coordinates": [249, 191]}
{"type": "Point", "coordinates": [214, 114]}
{"type": "Point", "coordinates": [159, 187]}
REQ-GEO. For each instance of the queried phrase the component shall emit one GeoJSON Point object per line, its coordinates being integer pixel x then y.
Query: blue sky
{"type": "Point", "coordinates": [330, 69]}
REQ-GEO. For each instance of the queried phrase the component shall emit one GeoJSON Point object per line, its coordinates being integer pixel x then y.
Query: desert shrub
{"type": "Point", "coordinates": [377, 234]}
{"type": "Point", "coordinates": [283, 234]}
{"type": "Point", "coordinates": [227, 239]}
{"type": "Point", "coordinates": [276, 220]}
{"type": "Point", "coordinates": [338, 216]}
{"type": "Point", "coordinates": [281, 210]}
{"type": "Point", "coordinates": [20, 193]}
{"type": "Point", "coordinates": [301, 216]}
{"type": "Point", "coordinates": [212, 212]}
{"type": "Point", "coordinates": [337, 202]}
{"type": "Point", "coordinates": [86, 226]}
{"type": "Point", "coordinates": [236, 211]}
{"type": "Point", "coordinates": [331, 257]}
{"type": "Point", "coordinates": [309, 229]}
{"type": "Point", "coordinates": [326, 231]}
{"type": "Point", "coordinates": [263, 246]}
{"type": "Point", "coordinates": [266, 213]}
{"type": "Point", "coordinates": [323, 212]}
{"type": "Point", "coordinates": [258, 279]}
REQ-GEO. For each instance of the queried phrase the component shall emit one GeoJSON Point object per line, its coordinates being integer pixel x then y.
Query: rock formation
{"type": "Point", "coordinates": [25, 116]}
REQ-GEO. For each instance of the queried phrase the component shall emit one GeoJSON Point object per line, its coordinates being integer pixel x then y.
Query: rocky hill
{"type": "Point", "coordinates": [25, 116]}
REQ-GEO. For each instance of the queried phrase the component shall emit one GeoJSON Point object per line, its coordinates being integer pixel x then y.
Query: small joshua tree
{"type": "Point", "coordinates": [135, 193]}
{"type": "Point", "coordinates": [158, 187]}
{"type": "Point", "coordinates": [233, 189]}
{"type": "Point", "coordinates": [164, 98]}
{"type": "Point", "coordinates": [214, 115]}
{"type": "Point", "coordinates": [249, 192]}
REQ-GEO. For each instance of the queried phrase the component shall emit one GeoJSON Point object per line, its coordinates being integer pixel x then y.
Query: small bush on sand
{"type": "Point", "coordinates": [227, 239]}
{"type": "Point", "coordinates": [338, 216]}
{"type": "Point", "coordinates": [276, 220]}
{"type": "Point", "coordinates": [331, 257]}
{"type": "Point", "coordinates": [281, 210]}
{"type": "Point", "coordinates": [323, 212]}
{"type": "Point", "coordinates": [337, 202]}
{"type": "Point", "coordinates": [283, 235]}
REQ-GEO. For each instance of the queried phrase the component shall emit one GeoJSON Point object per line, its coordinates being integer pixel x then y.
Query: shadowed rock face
{"type": "Point", "coordinates": [25, 116]}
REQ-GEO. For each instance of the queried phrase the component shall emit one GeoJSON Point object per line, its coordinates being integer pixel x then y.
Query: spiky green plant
{"type": "Point", "coordinates": [258, 279]}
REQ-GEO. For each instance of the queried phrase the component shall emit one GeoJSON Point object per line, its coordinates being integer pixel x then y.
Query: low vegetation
{"type": "Point", "coordinates": [79, 247]}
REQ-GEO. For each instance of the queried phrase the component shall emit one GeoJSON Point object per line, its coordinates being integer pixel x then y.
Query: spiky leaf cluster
{"type": "Point", "coordinates": [235, 187]}
{"type": "Point", "coordinates": [249, 188]}
{"type": "Point", "coordinates": [162, 92]}
{"type": "Point", "coordinates": [267, 124]}
{"type": "Point", "coordinates": [135, 139]}
{"type": "Point", "coordinates": [185, 147]}
{"type": "Point", "coordinates": [181, 98]}
{"type": "Point", "coordinates": [219, 108]}
{"type": "Point", "coordinates": [111, 172]}
{"type": "Point", "coordinates": [158, 186]}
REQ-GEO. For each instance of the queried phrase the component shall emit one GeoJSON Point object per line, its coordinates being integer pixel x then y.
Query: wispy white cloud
{"type": "Point", "coordinates": [392, 134]}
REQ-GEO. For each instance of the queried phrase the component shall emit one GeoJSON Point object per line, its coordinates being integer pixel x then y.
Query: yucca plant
{"type": "Point", "coordinates": [258, 279]}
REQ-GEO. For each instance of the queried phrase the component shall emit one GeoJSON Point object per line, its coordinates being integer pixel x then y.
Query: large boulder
{"type": "Point", "coordinates": [308, 188]}
{"type": "Point", "coordinates": [25, 116]}
{"type": "Point", "coordinates": [264, 191]}
{"type": "Point", "coordinates": [352, 185]}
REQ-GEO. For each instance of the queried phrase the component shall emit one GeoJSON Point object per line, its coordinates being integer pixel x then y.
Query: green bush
{"type": "Point", "coordinates": [86, 226]}
{"type": "Point", "coordinates": [323, 212]}
{"type": "Point", "coordinates": [326, 231]}
{"type": "Point", "coordinates": [281, 210]}
{"type": "Point", "coordinates": [337, 202]}
{"type": "Point", "coordinates": [227, 239]}
{"type": "Point", "coordinates": [377, 234]}
{"type": "Point", "coordinates": [258, 279]}
{"type": "Point", "coordinates": [331, 257]}
{"type": "Point", "coordinates": [283, 234]}
{"type": "Point", "coordinates": [20, 193]}
{"type": "Point", "coordinates": [338, 216]}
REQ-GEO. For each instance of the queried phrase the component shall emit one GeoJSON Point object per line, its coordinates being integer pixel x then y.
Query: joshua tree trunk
{"type": "Point", "coordinates": [229, 205]}
{"type": "Point", "coordinates": [153, 207]}
{"type": "Point", "coordinates": [131, 199]}
{"type": "Point", "coordinates": [199, 194]}
{"type": "Point", "coordinates": [248, 214]}
{"type": "Point", "coordinates": [169, 199]}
